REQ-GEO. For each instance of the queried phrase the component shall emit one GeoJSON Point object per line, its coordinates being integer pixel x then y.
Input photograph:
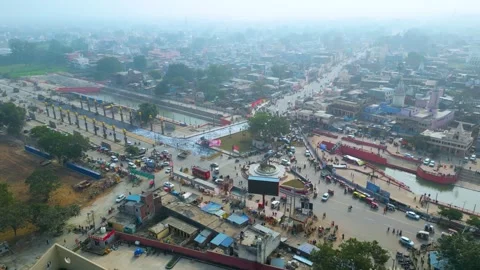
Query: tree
{"type": "Point", "coordinates": [41, 184]}
{"type": "Point", "coordinates": [15, 216]}
{"type": "Point", "coordinates": [79, 44]}
{"type": "Point", "coordinates": [147, 112]}
{"type": "Point", "coordinates": [179, 82]}
{"type": "Point", "coordinates": [450, 213]}
{"type": "Point", "coordinates": [140, 62]}
{"type": "Point", "coordinates": [266, 126]}
{"type": "Point", "coordinates": [474, 221]}
{"type": "Point", "coordinates": [351, 254]}
{"type": "Point", "coordinates": [6, 197]}
{"type": "Point", "coordinates": [162, 88]}
{"type": "Point", "coordinates": [51, 219]}
{"type": "Point", "coordinates": [414, 59]}
{"type": "Point", "coordinates": [13, 117]}
{"type": "Point", "coordinates": [156, 74]}
{"type": "Point", "coordinates": [132, 150]}
{"type": "Point", "coordinates": [61, 145]}
{"type": "Point", "coordinates": [460, 251]}
{"type": "Point", "coordinates": [218, 73]}
{"type": "Point", "coordinates": [279, 71]}
{"type": "Point", "coordinates": [179, 70]}
{"type": "Point", "coordinates": [109, 65]}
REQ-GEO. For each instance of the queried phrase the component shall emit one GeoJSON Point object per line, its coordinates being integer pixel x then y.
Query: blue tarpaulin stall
{"type": "Point", "coordinates": [238, 219]}
{"type": "Point", "coordinates": [222, 240]}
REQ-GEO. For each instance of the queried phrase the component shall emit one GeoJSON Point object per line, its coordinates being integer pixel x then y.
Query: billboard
{"type": "Point", "coordinates": [263, 185]}
{"type": "Point", "coordinates": [372, 187]}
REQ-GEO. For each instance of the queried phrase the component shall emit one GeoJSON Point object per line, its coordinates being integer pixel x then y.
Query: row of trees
{"type": "Point", "coordinates": [12, 117]}
{"type": "Point", "coordinates": [351, 254]}
{"type": "Point", "coordinates": [49, 52]}
{"type": "Point", "coordinates": [61, 145]}
{"type": "Point", "coordinates": [206, 81]}
{"type": "Point", "coordinates": [17, 214]}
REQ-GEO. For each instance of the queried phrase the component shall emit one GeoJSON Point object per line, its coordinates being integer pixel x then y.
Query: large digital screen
{"type": "Point", "coordinates": [263, 186]}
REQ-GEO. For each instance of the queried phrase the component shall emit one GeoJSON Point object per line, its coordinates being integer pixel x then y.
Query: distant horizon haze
{"type": "Point", "coordinates": [236, 11]}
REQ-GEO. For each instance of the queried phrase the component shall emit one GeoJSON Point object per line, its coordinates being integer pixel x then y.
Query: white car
{"type": "Point", "coordinates": [473, 157]}
{"type": "Point", "coordinates": [405, 241]}
{"type": "Point", "coordinates": [114, 159]}
{"type": "Point", "coordinates": [285, 162]}
{"type": "Point", "coordinates": [132, 165]}
{"type": "Point", "coordinates": [129, 143]}
{"type": "Point", "coordinates": [120, 198]}
{"type": "Point", "coordinates": [168, 170]}
{"type": "Point", "coordinates": [169, 185]}
{"type": "Point", "coordinates": [412, 215]}
{"type": "Point", "coordinates": [325, 197]}
{"type": "Point", "coordinates": [219, 180]}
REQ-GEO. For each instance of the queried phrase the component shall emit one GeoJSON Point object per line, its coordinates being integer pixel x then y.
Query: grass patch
{"type": "Point", "coordinates": [241, 139]}
{"type": "Point", "coordinates": [295, 183]}
{"type": "Point", "coordinates": [21, 70]}
{"type": "Point", "coordinates": [172, 262]}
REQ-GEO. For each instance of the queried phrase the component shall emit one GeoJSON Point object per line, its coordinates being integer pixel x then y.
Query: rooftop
{"type": "Point", "coordinates": [182, 226]}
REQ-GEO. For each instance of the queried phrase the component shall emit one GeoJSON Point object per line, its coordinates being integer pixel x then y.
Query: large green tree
{"type": "Point", "coordinates": [265, 126]}
{"type": "Point", "coordinates": [460, 251]}
{"type": "Point", "coordinates": [450, 213]}
{"type": "Point", "coordinates": [140, 62]}
{"type": "Point", "coordinates": [12, 117]}
{"type": "Point", "coordinates": [14, 217]}
{"type": "Point", "coordinates": [351, 254]}
{"type": "Point", "coordinates": [147, 111]}
{"type": "Point", "coordinates": [279, 71]}
{"type": "Point", "coordinates": [61, 145]}
{"type": "Point", "coordinates": [109, 65]}
{"type": "Point", "coordinates": [474, 221]}
{"type": "Point", "coordinates": [41, 184]}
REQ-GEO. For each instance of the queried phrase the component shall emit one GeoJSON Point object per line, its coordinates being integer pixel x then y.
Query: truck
{"type": "Point", "coordinates": [201, 173]}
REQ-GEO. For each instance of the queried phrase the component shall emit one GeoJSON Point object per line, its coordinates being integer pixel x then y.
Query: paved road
{"type": "Point", "coordinates": [362, 222]}
{"type": "Point", "coordinates": [282, 105]}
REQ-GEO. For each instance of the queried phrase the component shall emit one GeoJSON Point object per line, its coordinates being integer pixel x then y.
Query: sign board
{"type": "Point", "coordinates": [372, 187]}
{"type": "Point", "coordinates": [141, 173]}
{"type": "Point", "coordinates": [385, 194]}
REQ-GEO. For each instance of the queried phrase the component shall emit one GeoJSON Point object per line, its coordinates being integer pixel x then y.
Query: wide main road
{"type": "Point", "coordinates": [362, 222]}
{"type": "Point", "coordinates": [281, 105]}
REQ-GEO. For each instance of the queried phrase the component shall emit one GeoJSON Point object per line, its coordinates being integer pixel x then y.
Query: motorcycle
{"type": "Point", "coordinates": [350, 208]}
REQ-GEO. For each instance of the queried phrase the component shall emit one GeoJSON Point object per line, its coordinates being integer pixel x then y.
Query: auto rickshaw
{"type": "Point", "coordinates": [369, 200]}
{"type": "Point", "coordinates": [429, 228]}
{"type": "Point", "coordinates": [331, 192]}
{"type": "Point", "coordinates": [423, 235]}
{"type": "Point", "coordinates": [391, 207]}
{"type": "Point", "coordinates": [374, 205]}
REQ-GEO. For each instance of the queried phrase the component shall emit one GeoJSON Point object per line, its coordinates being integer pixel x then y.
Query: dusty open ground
{"type": "Point", "coordinates": [16, 165]}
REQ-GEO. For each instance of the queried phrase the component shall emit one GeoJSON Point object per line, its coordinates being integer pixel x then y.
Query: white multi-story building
{"type": "Point", "coordinates": [456, 141]}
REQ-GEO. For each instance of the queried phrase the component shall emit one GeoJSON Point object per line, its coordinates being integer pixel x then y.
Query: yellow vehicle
{"type": "Point", "coordinates": [359, 195]}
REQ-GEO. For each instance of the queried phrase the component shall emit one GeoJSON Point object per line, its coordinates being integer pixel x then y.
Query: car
{"type": "Point", "coordinates": [168, 170]}
{"type": "Point", "coordinates": [120, 198]}
{"type": "Point", "coordinates": [432, 163]}
{"type": "Point", "coordinates": [307, 153]}
{"type": "Point", "coordinates": [132, 165]}
{"type": "Point", "coordinates": [412, 215]}
{"type": "Point", "coordinates": [114, 159]}
{"type": "Point", "coordinates": [473, 157]}
{"type": "Point", "coordinates": [168, 185]}
{"type": "Point", "coordinates": [325, 197]}
{"type": "Point", "coordinates": [166, 163]}
{"type": "Point", "coordinates": [129, 143]}
{"type": "Point", "coordinates": [405, 241]}
{"type": "Point", "coordinates": [214, 165]}
{"type": "Point", "coordinates": [144, 159]}
{"type": "Point", "coordinates": [219, 180]}
{"type": "Point", "coordinates": [285, 162]}
{"type": "Point", "coordinates": [165, 152]}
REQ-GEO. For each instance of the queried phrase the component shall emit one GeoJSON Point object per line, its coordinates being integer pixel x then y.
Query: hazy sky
{"type": "Point", "coordinates": [234, 9]}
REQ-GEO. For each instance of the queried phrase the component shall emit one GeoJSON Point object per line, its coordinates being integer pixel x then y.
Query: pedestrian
{"type": "Point", "coordinates": [48, 242]}
{"type": "Point", "coordinates": [64, 242]}
{"type": "Point", "coordinates": [343, 236]}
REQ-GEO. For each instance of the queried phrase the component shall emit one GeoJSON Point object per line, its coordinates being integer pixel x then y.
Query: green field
{"type": "Point", "coordinates": [295, 183]}
{"type": "Point", "coordinates": [241, 139]}
{"type": "Point", "coordinates": [21, 70]}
